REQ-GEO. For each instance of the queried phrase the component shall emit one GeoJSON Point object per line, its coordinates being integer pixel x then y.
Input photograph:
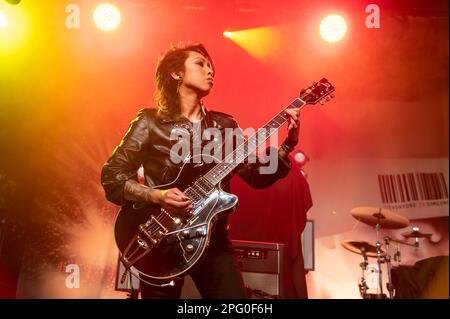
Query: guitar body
{"type": "Point", "coordinates": [183, 242]}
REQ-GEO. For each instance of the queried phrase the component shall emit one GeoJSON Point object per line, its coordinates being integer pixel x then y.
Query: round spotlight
{"type": "Point", "coordinates": [106, 17]}
{"type": "Point", "coordinates": [3, 20]}
{"type": "Point", "coordinates": [301, 158]}
{"type": "Point", "coordinates": [333, 28]}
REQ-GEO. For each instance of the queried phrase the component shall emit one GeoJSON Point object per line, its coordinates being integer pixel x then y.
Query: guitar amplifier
{"type": "Point", "coordinates": [261, 264]}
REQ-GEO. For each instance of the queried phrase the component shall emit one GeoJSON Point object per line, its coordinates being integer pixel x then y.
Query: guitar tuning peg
{"type": "Point", "coordinates": [332, 95]}
{"type": "Point", "coordinates": [328, 97]}
{"type": "Point", "coordinates": [322, 102]}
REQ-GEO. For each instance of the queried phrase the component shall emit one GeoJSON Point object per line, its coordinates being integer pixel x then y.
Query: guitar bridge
{"type": "Point", "coordinates": [154, 235]}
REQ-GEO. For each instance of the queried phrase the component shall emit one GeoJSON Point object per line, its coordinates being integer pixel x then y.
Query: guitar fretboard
{"type": "Point", "coordinates": [232, 160]}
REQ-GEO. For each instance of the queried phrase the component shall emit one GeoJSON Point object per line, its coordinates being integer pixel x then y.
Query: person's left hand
{"type": "Point", "coordinates": [294, 125]}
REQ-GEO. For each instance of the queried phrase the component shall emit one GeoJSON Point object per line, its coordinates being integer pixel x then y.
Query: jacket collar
{"type": "Point", "coordinates": [167, 118]}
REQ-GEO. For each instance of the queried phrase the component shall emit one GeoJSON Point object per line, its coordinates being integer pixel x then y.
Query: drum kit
{"type": "Point", "coordinates": [386, 219]}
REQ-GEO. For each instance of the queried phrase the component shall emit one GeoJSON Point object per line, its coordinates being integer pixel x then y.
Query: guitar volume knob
{"type": "Point", "coordinates": [189, 248]}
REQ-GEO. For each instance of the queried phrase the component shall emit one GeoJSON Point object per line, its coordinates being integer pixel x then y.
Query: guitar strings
{"type": "Point", "coordinates": [198, 190]}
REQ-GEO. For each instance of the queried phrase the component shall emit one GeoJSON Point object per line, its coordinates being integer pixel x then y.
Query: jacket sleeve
{"type": "Point", "coordinates": [260, 174]}
{"type": "Point", "coordinates": [126, 159]}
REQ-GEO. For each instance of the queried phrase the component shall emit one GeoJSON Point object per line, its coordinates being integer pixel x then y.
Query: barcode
{"type": "Point", "coordinates": [409, 187]}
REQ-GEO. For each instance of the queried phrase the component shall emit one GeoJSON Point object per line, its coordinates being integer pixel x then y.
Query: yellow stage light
{"type": "Point", "coordinates": [14, 30]}
{"type": "Point", "coordinates": [262, 43]}
{"type": "Point", "coordinates": [3, 20]}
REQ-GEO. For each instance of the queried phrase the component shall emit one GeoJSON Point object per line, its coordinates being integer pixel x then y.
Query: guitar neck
{"type": "Point", "coordinates": [232, 160]}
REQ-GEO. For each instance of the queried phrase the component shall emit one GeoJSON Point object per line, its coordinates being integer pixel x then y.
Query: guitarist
{"type": "Point", "coordinates": [184, 75]}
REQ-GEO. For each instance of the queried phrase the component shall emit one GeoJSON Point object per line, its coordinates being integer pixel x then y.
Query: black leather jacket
{"type": "Point", "coordinates": [148, 143]}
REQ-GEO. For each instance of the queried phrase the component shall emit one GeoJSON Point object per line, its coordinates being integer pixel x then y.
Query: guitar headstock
{"type": "Point", "coordinates": [321, 92]}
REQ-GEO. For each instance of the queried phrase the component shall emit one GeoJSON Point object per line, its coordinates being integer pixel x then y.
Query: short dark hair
{"type": "Point", "coordinates": [166, 95]}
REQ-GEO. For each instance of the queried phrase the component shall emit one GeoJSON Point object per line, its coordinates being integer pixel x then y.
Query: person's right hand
{"type": "Point", "coordinates": [174, 201]}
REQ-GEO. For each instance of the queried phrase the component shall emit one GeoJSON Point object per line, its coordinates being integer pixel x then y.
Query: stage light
{"type": "Point", "coordinates": [14, 31]}
{"type": "Point", "coordinates": [263, 43]}
{"type": "Point", "coordinates": [333, 28]}
{"type": "Point", "coordinates": [301, 158]}
{"type": "Point", "coordinates": [106, 16]}
{"type": "Point", "coordinates": [3, 20]}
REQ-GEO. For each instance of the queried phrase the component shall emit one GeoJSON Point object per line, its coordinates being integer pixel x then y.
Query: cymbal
{"type": "Point", "coordinates": [416, 234]}
{"type": "Point", "coordinates": [382, 216]}
{"type": "Point", "coordinates": [360, 246]}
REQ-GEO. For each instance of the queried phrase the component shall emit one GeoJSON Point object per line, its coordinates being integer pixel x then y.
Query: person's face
{"type": "Point", "coordinates": [198, 73]}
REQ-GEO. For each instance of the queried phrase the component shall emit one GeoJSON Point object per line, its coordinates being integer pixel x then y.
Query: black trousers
{"type": "Point", "coordinates": [217, 277]}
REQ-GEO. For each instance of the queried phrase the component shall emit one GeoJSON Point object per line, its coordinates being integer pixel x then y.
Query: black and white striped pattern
{"type": "Point", "coordinates": [410, 187]}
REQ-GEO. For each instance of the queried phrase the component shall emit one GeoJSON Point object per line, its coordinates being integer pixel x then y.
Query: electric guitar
{"type": "Point", "coordinates": [160, 247]}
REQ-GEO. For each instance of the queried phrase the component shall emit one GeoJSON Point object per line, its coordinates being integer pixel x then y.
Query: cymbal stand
{"type": "Point", "coordinates": [416, 239]}
{"type": "Point", "coordinates": [378, 246]}
{"type": "Point", "coordinates": [389, 285]}
{"type": "Point", "coordinates": [397, 255]}
{"type": "Point", "coordinates": [362, 283]}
